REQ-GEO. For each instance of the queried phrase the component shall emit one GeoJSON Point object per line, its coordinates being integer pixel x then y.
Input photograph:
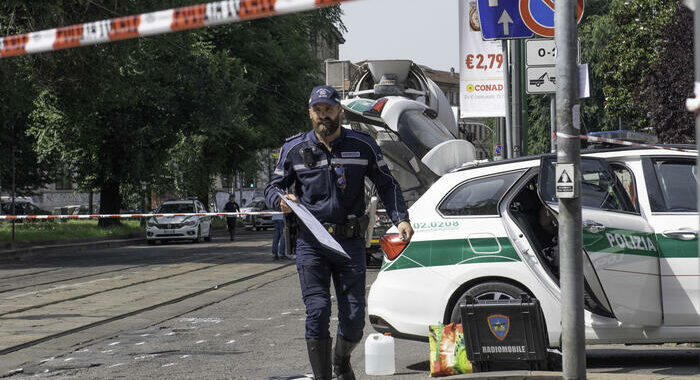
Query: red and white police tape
{"type": "Point", "coordinates": [619, 142]}
{"type": "Point", "coordinates": [148, 24]}
{"type": "Point", "coordinates": [131, 216]}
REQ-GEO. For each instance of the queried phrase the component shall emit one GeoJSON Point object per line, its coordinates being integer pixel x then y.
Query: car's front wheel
{"type": "Point", "coordinates": [199, 235]}
{"type": "Point", "coordinates": [487, 291]}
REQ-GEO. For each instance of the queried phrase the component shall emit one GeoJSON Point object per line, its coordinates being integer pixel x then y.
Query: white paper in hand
{"type": "Point", "coordinates": [316, 228]}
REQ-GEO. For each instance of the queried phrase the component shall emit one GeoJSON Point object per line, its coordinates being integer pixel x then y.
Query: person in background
{"type": "Point", "coordinates": [278, 245]}
{"type": "Point", "coordinates": [231, 206]}
{"type": "Point", "coordinates": [326, 167]}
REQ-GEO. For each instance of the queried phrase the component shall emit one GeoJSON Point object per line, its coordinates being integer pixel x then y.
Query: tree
{"type": "Point", "coordinates": [639, 55]}
{"type": "Point", "coordinates": [17, 93]}
{"type": "Point", "coordinates": [186, 106]}
{"type": "Point", "coordinates": [670, 82]}
{"type": "Point", "coordinates": [635, 41]}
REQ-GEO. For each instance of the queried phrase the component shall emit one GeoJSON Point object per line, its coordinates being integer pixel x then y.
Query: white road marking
{"type": "Point", "coordinates": [145, 335]}
{"type": "Point", "coordinates": [168, 365]}
{"type": "Point", "coordinates": [139, 343]}
{"type": "Point", "coordinates": [47, 360]}
{"type": "Point", "coordinates": [147, 356]}
{"type": "Point", "coordinates": [115, 365]}
{"type": "Point", "coordinates": [200, 341]}
{"type": "Point", "coordinates": [231, 341]}
{"type": "Point", "coordinates": [286, 313]}
{"type": "Point", "coordinates": [185, 356]}
{"type": "Point", "coordinates": [201, 320]}
{"type": "Point", "coordinates": [68, 359]}
{"type": "Point", "coordinates": [169, 333]}
{"type": "Point", "coordinates": [106, 351]}
{"type": "Point", "coordinates": [114, 343]}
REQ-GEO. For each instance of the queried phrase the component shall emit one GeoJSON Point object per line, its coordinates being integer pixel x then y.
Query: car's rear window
{"type": "Point", "coordinates": [479, 196]}
{"type": "Point", "coordinates": [176, 208]}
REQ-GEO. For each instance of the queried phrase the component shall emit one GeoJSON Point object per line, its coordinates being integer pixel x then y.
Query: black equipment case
{"type": "Point", "coordinates": [509, 333]}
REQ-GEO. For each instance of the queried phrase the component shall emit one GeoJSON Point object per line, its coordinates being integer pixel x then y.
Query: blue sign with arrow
{"type": "Point", "coordinates": [500, 20]}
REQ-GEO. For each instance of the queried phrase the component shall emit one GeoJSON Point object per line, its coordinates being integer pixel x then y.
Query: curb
{"type": "Point", "coordinates": [72, 247]}
{"type": "Point", "coordinates": [546, 375]}
{"type": "Point", "coordinates": [65, 249]}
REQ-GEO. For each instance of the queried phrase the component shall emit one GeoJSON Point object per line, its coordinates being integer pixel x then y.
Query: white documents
{"type": "Point", "coordinates": [316, 228]}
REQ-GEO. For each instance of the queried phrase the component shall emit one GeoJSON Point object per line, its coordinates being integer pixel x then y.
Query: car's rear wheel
{"type": "Point", "coordinates": [487, 291]}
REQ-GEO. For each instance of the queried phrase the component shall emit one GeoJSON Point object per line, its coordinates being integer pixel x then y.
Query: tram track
{"type": "Point", "coordinates": [191, 295]}
{"type": "Point", "coordinates": [93, 274]}
{"type": "Point", "coordinates": [42, 312]}
{"type": "Point", "coordinates": [138, 283]}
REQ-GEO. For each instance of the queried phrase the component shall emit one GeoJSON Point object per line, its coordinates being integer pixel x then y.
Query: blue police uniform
{"type": "Point", "coordinates": [331, 186]}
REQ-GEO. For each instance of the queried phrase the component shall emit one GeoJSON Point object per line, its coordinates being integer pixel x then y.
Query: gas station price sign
{"type": "Point", "coordinates": [484, 62]}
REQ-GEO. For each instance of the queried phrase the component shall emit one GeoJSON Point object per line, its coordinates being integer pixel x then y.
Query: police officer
{"type": "Point", "coordinates": [231, 206]}
{"type": "Point", "coordinates": [327, 167]}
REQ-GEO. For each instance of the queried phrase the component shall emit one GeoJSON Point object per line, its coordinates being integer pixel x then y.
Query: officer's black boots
{"type": "Point", "coordinates": [341, 359]}
{"type": "Point", "coordinates": [320, 358]}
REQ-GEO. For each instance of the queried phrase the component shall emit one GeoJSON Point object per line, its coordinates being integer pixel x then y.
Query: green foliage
{"type": "Point", "coordinates": [53, 230]}
{"type": "Point", "coordinates": [172, 110]}
{"type": "Point", "coordinates": [633, 47]}
{"type": "Point", "coordinates": [670, 81]}
{"type": "Point", "coordinates": [639, 55]}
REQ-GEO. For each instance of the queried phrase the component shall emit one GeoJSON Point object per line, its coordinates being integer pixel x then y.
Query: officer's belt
{"type": "Point", "coordinates": [352, 229]}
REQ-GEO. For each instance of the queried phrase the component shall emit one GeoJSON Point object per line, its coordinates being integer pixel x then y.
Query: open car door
{"type": "Point", "coordinates": [621, 254]}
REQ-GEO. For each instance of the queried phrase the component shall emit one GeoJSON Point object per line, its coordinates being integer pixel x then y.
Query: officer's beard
{"type": "Point", "coordinates": [326, 126]}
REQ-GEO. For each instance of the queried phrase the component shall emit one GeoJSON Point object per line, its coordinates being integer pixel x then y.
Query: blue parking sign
{"type": "Point", "coordinates": [500, 20]}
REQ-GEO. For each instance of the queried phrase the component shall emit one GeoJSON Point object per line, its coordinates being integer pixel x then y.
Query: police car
{"type": "Point", "coordinates": [194, 228]}
{"type": "Point", "coordinates": [489, 231]}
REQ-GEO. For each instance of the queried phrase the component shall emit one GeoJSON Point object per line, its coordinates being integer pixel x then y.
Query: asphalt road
{"type": "Point", "coordinates": [218, 310]}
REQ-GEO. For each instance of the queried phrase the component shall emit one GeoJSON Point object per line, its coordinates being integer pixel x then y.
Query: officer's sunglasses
{"type": "Point", "coordinates": [340, 177]}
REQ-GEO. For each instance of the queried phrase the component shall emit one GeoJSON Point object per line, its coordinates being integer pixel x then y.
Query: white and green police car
{"type": "Point", "coordinates": [489, 231]}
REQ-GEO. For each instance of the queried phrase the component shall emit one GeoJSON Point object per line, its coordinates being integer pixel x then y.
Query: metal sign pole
{"type": "Point", "coordinates": [517, 98]}
{"type": "Point", "coordinates": [570, 235]}
{"type": "Point", "coordinates": [508, 144]}
{"type": "Point", "coordinates": [696, 18]}
{"type": "Point", "coordinates": [552, 122]}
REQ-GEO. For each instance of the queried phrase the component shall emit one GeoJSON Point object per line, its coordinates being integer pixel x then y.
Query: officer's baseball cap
{"type": "Point", "coordinates": [324, 94]}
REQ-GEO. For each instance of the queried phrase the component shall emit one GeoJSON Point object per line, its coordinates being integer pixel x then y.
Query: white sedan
{"type": "Point", "coordinates": [194, 228]}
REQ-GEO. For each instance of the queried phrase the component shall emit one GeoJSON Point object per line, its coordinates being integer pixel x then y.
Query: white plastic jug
{"type": "Point", "coordinates": [379, 354]}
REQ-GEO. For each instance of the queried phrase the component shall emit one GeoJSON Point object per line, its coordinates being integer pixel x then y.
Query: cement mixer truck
{"type": "Point", "coordinates": [411, 120]}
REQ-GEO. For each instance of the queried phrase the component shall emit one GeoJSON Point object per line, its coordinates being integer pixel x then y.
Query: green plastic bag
{"type": "Point", "coordinates": [448, 355]}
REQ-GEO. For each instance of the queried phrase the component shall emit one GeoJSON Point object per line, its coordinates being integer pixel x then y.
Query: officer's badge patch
{"type": "Point", "coordinates": [499, 325]}
{"type": "Point", "coordinates": [350, 154]}
{"type": "Point", "coordinates": [279, 156]}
